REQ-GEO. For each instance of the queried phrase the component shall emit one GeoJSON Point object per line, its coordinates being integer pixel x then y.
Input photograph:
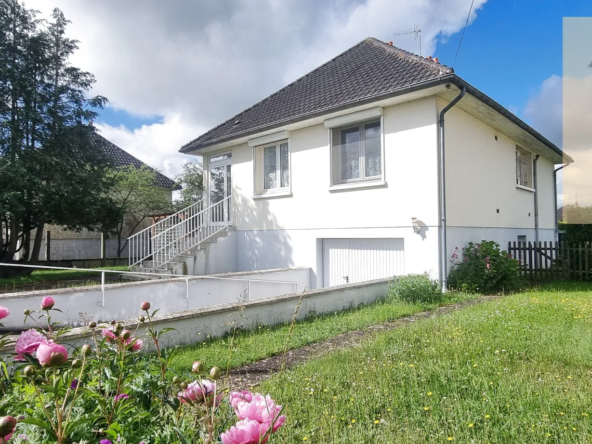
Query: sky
{"type": "Point", "coordinates": [173, 70]}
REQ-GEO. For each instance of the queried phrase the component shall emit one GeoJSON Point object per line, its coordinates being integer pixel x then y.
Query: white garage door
{"type": "Point", "coordinates": [358, 260]}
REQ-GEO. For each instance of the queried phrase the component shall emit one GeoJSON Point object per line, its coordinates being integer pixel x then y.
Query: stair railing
{"type": "Point", "coordinates": [172, 241]}
{"type": "Point", "coordinates": [140, 246]}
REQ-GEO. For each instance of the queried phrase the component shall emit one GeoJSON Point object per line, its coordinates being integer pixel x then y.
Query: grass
{"type": "Point", "coordinates": [513, 370]}
{"type": "Point", "coordinates": [55, 275]}
{"type": "Point", "coordinates": [265, 341]}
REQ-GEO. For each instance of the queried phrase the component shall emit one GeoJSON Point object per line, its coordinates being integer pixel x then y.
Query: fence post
{"type": "Point", "coordinates": [249, 290]}
{"type": "Point", "coordinates": [102, 288]}
{"type": "Point", "coordinates": [47, 246]}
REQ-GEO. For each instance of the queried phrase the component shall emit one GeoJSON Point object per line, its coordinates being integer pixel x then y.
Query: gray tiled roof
{"type": "Point", "coordinates": [121, 158]}
{"type": "Point", "coordinates": [369, 69]}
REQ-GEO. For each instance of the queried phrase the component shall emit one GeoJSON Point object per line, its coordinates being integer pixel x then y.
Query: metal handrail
{"type": "Point", "coordinates": [186, 276]}
{"type": "Point", "coordinates": [190, 232]}
{"type": "Point", "coordinates": [140, 247]}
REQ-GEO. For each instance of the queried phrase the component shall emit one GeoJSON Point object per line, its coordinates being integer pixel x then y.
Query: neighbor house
{"type": "Point", "coordinates": [341, 171]}
{"type": "Point", "coordinates": [66, 245]}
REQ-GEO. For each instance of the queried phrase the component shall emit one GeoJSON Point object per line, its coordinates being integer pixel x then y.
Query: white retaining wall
{"type": "Point", "coordinates": [122, 301]}
{"type": "Point", "coordinates": [192, 326]}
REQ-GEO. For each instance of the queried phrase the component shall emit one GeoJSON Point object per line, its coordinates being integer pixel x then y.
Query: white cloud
{"type": "Point", "coordinates": [545, 110]}
{"type": "Point", "coordinates": [197, 63]}
{"type": "Point", "coordinates": [157, 144]}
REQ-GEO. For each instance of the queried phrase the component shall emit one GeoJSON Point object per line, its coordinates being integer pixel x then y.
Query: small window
{"type": "Point", "coordinates": [523, 168]}
{"type": "Point", "coordinates": [357, 153]}
{"type": "Point", "coordinates": [272, 163]}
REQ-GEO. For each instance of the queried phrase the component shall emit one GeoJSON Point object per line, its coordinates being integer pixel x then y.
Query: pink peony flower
{"type": "Point", "coordinates": [47, 303]}
{"type": "Point", "coordinates": [7, 428]}
{"type": "Point", "coordinates": [261, 408]}
{"type": "Point", "coordinates": [235, 397]}
{"type": "Point", "coordinates": [246, 431]}
{"type": "Point", "coordinates": [3, 312]}
{"type": "Point", "coordinates": [28, 343]}
{"type": "Point", "coordinates": [51, 354]}
{"type": "Point", "coordinates": [134, 344]}
{"type": "Point", "coordinates": [108, 335]}
{"type": "Point", "coordinates": [200, 392]}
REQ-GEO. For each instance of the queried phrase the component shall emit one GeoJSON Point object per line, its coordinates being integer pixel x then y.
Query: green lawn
{"type": "Point", "coordinates": [265, 341]}
{"type": "Point", "coordinates": [515, 370]}
{"type": "Point", "coordinates": [55, 275]}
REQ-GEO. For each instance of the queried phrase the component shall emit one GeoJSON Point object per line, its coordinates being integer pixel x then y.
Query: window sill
{"type": "Point", "coordinates": [525, 188]}
{"type": "Point", "coordinates": [357, 185]}
{"type": "Point", "coordinates": [273, 194]}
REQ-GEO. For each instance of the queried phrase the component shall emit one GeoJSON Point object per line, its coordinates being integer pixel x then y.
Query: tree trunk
{"type": "Point", "coordinates": [37, 242]}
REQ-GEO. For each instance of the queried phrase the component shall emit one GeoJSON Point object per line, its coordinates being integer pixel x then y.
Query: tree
{"type": "Point", "coordinates": [191, 180]}
{"type": "Point", "coordinates": [136, 197]}
{"type": "Point", "coordinates": [49, 173]}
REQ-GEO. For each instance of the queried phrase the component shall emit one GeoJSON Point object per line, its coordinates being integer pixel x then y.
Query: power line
{"type": "Point", "coordinates": [463, 34]}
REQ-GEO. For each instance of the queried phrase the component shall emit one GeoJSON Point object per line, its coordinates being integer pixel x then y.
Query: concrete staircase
{"type": "Point", "coordinates": [170, 247]}
{"type": "Point", "coordinates": [177, 266]}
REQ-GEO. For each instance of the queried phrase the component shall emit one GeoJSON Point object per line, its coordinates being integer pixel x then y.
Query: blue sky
{"type": "Point", "coordinates": [512, 47]}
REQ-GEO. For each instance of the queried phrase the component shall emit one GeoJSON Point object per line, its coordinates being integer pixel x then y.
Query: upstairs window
{"type": "Point", "coordinates": [276, 166]}
{"type": "Point", "coordinates": [357, 152]}
{"type": "Point", "coordinates": [523, 168]}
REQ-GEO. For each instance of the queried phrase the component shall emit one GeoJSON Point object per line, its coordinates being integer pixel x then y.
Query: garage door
{"type": "Point", "coordinates": [358, 260]}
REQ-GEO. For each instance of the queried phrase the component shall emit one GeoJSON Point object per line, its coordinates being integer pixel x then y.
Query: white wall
{"type": "Point", "coordinates": [191, 326]}
{"type": "Point", "coordinates": [481, 179]}
{"type": "Point", "coordinates": [286, 231]}
{"type": "Point", "coordinates": [122, 301]}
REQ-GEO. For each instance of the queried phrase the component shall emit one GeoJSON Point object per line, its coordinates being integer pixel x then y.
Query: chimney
{"type": "Point", "coordinates": [436, 60]}
{"type": "Point", "coordinates": [429, 57]}
{"type": "Point", "coordinates": [90, 123]}
{"type": "Point", "coordinates": [391, 43]}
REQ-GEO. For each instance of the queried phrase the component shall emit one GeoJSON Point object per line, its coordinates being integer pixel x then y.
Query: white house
{"type": "Point", "coordinates": [341, 171]}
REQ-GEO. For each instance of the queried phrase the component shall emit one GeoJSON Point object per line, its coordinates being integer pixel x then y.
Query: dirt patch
{"type": "Point", "coordinates": [251, 375]}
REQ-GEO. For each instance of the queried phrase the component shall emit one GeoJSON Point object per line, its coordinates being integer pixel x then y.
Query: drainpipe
{"type": "Point", "coordinates": [536, 199]}
{"type": "Point", "coordinates": [555, 195]}
{"type": "Point", "coordinates": [443, 246]}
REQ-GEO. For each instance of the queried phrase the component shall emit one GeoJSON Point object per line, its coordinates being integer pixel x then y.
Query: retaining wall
{"type": "Point", "coordinates": [192, 326]}
{"type": "Point", "coordinates": [80, 305]}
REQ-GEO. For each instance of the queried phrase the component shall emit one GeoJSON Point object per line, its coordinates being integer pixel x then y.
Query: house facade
{"type": "Point", "coordinates": [341, 172]}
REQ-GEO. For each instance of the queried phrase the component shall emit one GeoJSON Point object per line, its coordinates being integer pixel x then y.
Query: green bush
{"type": "Point", "coordinates": [415, 288]}
{"type": "Point", "coordinates": [484, 268]}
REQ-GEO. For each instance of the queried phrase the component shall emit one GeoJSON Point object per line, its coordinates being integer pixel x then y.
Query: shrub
{"type": "Point", "coordinates": [108, 392]}
{"type": "Point", "coordinates": [415, 288]}
{"type": "Point", "coordinates": [484, 268]}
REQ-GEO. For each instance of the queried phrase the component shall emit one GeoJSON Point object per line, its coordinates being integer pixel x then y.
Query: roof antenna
{"type": "Point", "coordinates": [416, 32]}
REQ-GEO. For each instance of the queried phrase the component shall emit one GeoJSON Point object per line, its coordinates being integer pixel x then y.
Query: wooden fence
{"type": "Point", "coordinates": [553, 260]}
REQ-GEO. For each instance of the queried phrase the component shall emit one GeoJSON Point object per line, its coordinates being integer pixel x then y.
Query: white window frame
{"type": "Point", "coordinates": [337, 182]}
{"type": "Point", "coordinates": [259, 170]}
{"type": "Point", "coordinates": [525, 157]}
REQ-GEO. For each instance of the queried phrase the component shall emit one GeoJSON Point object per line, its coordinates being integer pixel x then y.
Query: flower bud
{"type": "Point", "coordinates": [93, 324]}
{"type": "Point", "coordinates": [76, 363]}
{"type": "Point", "coordinates": [113, 322]}
{"type": "Point", "coordinates": [26, 312]}
{"type": "Point", "coordinates": [183, 385]}
{"type": "Point", "coordinates": [29, 370]}
{"type": "Point", "coordinates": [176, 380]}
{"type": "Point", "coordinates": [141, 318]}
{"type": "Point", "coordinates": [7, 426]}
{"type": "Point", "coordinates": [86, 350]}
{"type": "Point", "coordinates": [126, 334]}
{"type": "Point", "coordinates": [145, 305]}
{"type": "Point", "coordinates": [215, 373]}
{"type": "Point", "coordinates": [20, 417]}
{"type": "Point", "coordinates": [47, 303]}
{"type": "Point", "coordinates": [118, 328]}
{"type": "Point", "coordinates": [197, 367]}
